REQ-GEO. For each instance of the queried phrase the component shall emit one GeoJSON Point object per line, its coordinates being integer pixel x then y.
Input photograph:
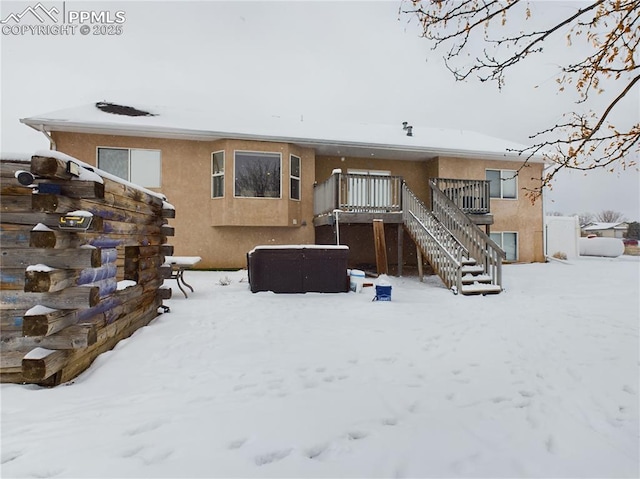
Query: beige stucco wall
{"type": "Point", "coordinates": [520, 215]}
{"type": "Point", "coordinates": [223, 230]}
{"type": "Point", "coordinates": [209, 227]}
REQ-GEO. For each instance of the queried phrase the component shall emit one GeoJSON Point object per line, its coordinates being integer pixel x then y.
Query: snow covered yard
{"type": "Point", "coordinates": [540, 381]}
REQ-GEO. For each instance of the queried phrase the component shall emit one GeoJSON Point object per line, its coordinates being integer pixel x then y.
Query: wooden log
{"type": "Point", "coordinates": [167, 250]}
{"type": "Point", "coordinates": [57, 169]}
{"type": "Point", "coordinates": [12, 278]}
{"type": "Point", "coordinates": [168, 213]}
{"type": "Point", "coordinates": [80, 360]}
{"type": "Point", "coordinates": [59, 279]}
{"type": "Point", "coordinates": [49, 322]}
{"type": "Point", "coordinates": [13, 378]}
{"type": "Point", "coordinates": [78, 258]}
{"type": "Point", "coordinates": [63, 204]}
{"type": "Point", "coordinates": [148, 251]}
{"type": "Point", "coordinates": [70, 298]}
{"type": "Point", "coordinates": [11, 319]}
{"type": "Point", "coordinates": [48, 167]}
{"type": "Point", "coordinates": [382, 265]}
{"type": "Point", "coordinates": [72, 189]}
{"type": "Point", "coordinates": [124, 228]}
{"type": "Point", "coordinates": [168, 230]}
{"type": "Point", "coordinates": [52, 220]}
{"type": "Point", "coordinates": [13, 187]}
{"type": "Point", "coordinates": [37, 367]}
{"type": "Point", "coordinates": [133, 267]}
{"type": "Point", "coordinates": [67, 239]}
{"type": "Point", "coordinates": [129, 306]}
{"type": "Point", "coordinates": [137, 194]}
{"type": "Point", "coordinates": [72, 337]}
{"type": "Point", "coordinates": [14, 236]}
{"type": "Point", "coordinates": [15, 203]}
{"type": "Point", "coordinates": [11, 361]}
{"type": "Point", "coordinates": [8, 167]}
{"type": "Point", "coordinates": [108, 309]}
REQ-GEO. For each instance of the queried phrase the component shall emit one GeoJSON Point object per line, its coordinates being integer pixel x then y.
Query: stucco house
{"type": "Point", "coordinates": [607, 230]}
{"type": "Point", "coordinates": [238, 182]}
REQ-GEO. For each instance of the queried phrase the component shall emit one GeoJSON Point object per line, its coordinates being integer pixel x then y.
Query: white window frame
{"type": "Point", "coordinates": [505, 175]}
{"type": "Point", "coordinates": [501, 243]}
{"type": "Point", "coordinates": [218, 175]}
{"type": "Point", "coordinates": [256, 152]}
{"type": "Point", "coordinates": [293, 178]}
{"type": "Point", "coordinates": [129, 150]}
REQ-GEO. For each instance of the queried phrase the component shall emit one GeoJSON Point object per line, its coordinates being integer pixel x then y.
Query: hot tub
{"type": "Point", "coordinates": [298, 268]}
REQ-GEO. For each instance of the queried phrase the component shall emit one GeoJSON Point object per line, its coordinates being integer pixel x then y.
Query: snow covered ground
{"type": "Point", "coordinates": [540, 381]}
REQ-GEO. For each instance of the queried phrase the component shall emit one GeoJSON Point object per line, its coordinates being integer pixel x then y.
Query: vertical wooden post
{"type": "Point", "coordinates": [419, 256]}
{"type": "Point", "coordinates": [381, 247]}
{"type": "Point", "coordinates": [400, 248]}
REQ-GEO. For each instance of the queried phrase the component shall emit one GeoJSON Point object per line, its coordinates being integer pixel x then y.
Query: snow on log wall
{"type": "Point", "coordinates": [71, 289]}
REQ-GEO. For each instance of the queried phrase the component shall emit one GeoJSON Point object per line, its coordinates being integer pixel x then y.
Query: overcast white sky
{"type": "Point", "coordinates": [336, 61]}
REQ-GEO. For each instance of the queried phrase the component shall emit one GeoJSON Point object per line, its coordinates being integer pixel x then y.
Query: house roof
{"type": "Point", "coordinates": [328, 138]}
{"type": "Point", "coordinates": [605, 226]}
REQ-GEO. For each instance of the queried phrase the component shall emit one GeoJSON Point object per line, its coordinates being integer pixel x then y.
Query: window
{"type": "Point", "coordinates": [141, 167]}
{"type": "Point", "coordinates": [217, 173]}
{"type": "Point", "coordinates": [294, 173]}
{"type": "Point", "coordinates": [508, 242]}
{"type": "Point", "coordinates": [257, 174]}
{"type": "Point", "coordinates": [504, 184]}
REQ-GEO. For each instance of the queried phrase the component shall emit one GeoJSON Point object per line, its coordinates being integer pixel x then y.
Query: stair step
{"type": "Point", "coordinates": [480, 278]}
{"type": "Point", "coordinates": [472, 269]}
{"type": "Point", "coordinates": [480, 288]}
{"type": "Point", "coordinates": [468, 261]}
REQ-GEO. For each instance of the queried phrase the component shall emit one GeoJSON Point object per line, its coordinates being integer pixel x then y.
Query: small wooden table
{"type": "Point", "coordinates": [178, 265]}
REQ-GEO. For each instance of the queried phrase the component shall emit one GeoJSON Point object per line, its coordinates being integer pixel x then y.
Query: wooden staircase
{"type": "Point", "coordinates": [464, 257]}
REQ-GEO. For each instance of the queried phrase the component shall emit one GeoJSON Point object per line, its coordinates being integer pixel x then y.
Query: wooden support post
{"type": "Point", "coordinates": [400, 248]}
{"type": "Point", "coordinates": [419, 258]}
{"type": "Point", "coordinates": [380, 246]}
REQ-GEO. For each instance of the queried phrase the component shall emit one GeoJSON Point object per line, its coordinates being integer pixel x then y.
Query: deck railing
{"type": "Point", "coordinates": [485, 251]}
{"type": "Point", "coordinates": [443, 251]}
{"type": "Point", "coordinates": [358, 193]}
{"type": "Point", "coordinates": [471, 196]}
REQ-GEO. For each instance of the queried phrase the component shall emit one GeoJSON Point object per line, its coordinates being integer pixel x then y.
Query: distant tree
{"type": "Point", "coordinates": [610, 216]}
{"type": "Point", "coordinates": [258, 179]}
{"type": "Point", "coordinates": [581, 141]}
{"type": "Point", "coordinates": [585, 218]}
{"type": "Point", "coordinates": [554, 213]}
{"type": "Point", "coordinates": [634, 230]}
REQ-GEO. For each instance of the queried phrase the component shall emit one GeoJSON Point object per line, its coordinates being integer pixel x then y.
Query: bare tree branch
{"type": "Point", "coordinates": [611, 29]}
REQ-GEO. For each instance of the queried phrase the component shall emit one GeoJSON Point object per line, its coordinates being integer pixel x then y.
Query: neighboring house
{"type": "Point", "coordinates": [239, 182]}
{"type": "Point", "coordinates": [606, 230]}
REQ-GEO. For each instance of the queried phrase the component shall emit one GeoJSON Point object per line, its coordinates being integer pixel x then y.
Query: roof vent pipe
{"type": "Point", "coordinates": [404, 125]}
{"type": "Point", "coordinates": [409, 131]}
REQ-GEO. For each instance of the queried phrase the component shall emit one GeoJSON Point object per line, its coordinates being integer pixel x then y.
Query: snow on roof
{"type": "Point", "coordinates": [604, 226]}
{"type": "Point", "coordinates": [328, 138]}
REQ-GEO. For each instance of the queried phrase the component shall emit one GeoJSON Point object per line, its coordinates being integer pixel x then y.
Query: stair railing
{"type": "Point", "coordinates": [443, 251]}
{"type": "Point", "coordinates": [479, 245]}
